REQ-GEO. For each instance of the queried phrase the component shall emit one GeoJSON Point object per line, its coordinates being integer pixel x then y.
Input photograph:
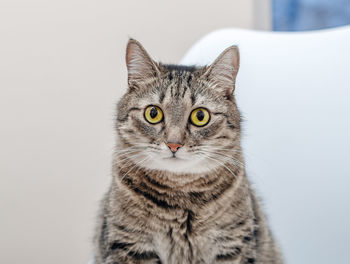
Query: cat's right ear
{"type": "Point", "coordinates": [141, 68]}
{"type": "Point", "coordinates": [223, 72]}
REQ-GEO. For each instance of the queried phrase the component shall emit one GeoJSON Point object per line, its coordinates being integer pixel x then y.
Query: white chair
{"type": "Point", "coordinates": [293, 90]}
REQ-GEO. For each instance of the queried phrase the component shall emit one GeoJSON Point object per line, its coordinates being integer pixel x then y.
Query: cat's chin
{"type": "Point", "coordinates": [179, 166]}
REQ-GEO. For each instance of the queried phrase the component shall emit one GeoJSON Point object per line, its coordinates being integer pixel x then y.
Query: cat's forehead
{"type": "Point", "coordinates": [181, 91]}
{"type": "Point", "coordinates": [193, 93]}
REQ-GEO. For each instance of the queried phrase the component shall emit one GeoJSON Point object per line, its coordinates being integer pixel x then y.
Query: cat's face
{"type": "Point", "coordinates": [178, 119]}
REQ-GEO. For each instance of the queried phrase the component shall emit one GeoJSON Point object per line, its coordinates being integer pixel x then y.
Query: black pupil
{"type": "Point", "coordinates": [154, 112]}
{"type": "Point", "coordinates": [200, 115]}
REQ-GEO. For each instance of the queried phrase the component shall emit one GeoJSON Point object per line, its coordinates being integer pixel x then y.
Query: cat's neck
{"type": "Point", "coordinates": [170, 190]}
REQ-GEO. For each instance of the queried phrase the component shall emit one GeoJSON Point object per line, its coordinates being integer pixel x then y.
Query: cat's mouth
{"type": "Point", "coordinates": [173, 157]}
{"type": "Point", "coordinates": [183, 162]}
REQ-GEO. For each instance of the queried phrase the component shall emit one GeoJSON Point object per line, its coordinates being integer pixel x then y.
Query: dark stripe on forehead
{"type": "Point", "coordinates": [161, 95]}
{"type": "Point", "coordinates": [180, 68]}
{"type": "Point", "coordinates": [184, 91]}
{"type": "Point", "coordinates": [170, 76]}
{"type": "Point", "coordinates": [189, 79]}
{"type": "Point", "coordinates": [178, 87]}
{"type": "Point", "coordinates": [193, 98]}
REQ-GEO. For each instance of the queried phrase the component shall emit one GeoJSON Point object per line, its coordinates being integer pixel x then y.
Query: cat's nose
{"type": "Point", "coordinates": [174, 146]}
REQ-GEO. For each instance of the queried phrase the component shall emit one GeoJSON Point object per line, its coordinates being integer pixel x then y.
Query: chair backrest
{"type": "Point", "coordinates": [293, 90]}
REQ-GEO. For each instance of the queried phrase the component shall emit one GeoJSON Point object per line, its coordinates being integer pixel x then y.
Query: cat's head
{"type": "Point", "coordinates": [178, 118]}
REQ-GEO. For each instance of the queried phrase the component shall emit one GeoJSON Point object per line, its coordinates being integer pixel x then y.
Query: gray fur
{"type": "Point", "coordinates": [160, 216]}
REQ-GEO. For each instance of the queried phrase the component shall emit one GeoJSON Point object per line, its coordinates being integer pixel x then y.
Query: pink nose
{"type": "Point", "coordinates": [174, 146]}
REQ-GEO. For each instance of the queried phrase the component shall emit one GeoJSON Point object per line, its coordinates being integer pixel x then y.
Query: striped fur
{"type": "Point", "coordinates": [198, 207]}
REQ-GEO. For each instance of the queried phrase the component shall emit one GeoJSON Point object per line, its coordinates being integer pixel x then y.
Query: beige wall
{"type": "Point", "coordinates": [61, 72]}
{"type": "Point", "coordinates": [262, 14]}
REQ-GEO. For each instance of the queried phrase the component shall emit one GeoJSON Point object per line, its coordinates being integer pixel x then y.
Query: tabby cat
{"type": "Point", "coordinates": [179, 192]}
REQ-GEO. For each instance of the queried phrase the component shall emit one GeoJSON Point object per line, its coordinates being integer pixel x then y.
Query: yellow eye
{"type": "Point", "coordinates": [153, 114]}
{"type": "Point", "coordinates": [200, 117]}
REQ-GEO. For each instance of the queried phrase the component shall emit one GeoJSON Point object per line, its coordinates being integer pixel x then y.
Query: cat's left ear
{"type": "Point", "coordinates": [223, 71]}
{"type": "Point", "coordinates": [140, 66]}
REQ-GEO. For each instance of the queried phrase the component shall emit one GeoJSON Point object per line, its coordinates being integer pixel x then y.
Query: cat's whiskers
{"type": "Point", "coordinates": [132, 148]}
{"type": "Point", "coordinates": [128, 163]}
{"type": "Point", "coordinates": [218, 148]}
{"type": "Point", "coordinates": [126, 151]}
{"type": "Point", "coordinates": [130, 157]}
{"type": "Point", "coordinates": [227, 156]}
{"type": "Point", "coordinates": [125, 162]}
{"type": "Point", "coordinates": [220, 163]}
{"type": "Point", "coordinates": [226, 152]}
{"type": "Point", "coordinates": [223, 158]}
{"type": "Point", "coordinates": [136, 147]}
{"type": "Point", "coordinates": [139, 167]}
{"type": "Point", "coordinates": [136, 164]}
{"type": "Point", "coordinates": [231, 160]}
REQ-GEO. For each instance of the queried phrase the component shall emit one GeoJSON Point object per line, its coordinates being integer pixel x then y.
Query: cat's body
{"type": "Point", "coordinates": [179, 193]}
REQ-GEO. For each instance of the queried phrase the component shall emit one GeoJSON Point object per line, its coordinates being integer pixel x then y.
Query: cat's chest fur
{"type": "Point", "coordinates": [181, 244]}
{"type": "Point", "coordinates": [176, 233]}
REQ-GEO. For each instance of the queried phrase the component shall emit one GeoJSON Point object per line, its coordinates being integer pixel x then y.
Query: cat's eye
{"type": "Point", "coordinates": [153, 114]}
{"type": "Point", "coordinates": [200, 117]}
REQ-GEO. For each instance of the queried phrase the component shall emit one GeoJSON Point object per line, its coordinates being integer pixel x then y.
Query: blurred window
{"type": "Point", "coordinates": [298, 15]}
